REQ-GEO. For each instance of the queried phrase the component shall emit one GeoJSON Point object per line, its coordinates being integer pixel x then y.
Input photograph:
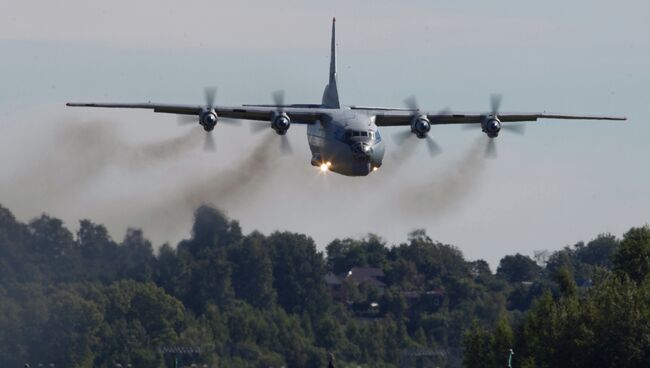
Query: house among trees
{"type": "Point", "coordinates": [429, 300]}
{"type": "Point", "coordinates": [371, 276]}
{"type": "Point", "coordinates": [335, 285]}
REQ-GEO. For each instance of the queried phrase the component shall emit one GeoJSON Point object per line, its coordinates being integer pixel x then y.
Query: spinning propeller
{"type": "Point", "coordinates": [491, 125]}
{"type": "Point", "coordinates": [207, 119]}
{"type": "Point", "coordinates": [280, 122]}
{"type": "Point", "coordinates": [420, 128]}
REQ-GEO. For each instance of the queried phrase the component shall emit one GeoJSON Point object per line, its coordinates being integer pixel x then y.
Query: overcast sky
{"type": "Point", "coordinates": [560, 183]}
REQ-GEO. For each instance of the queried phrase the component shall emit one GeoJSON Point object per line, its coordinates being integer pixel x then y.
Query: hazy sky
{"type": "Point", "coordinates": [561, 183]}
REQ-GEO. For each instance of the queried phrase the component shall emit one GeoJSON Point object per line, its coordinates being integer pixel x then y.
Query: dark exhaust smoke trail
{"type": "Point", "coordinates": [81, 152]}
{"type": "Point", "coordinates": [65, 165]}
{"type": "Point", "coordinates": [405, 150]}
{"type": "Point", "coordinates": [101, 143]}
{"type": "Point", "coordinates": [449, 189]}
{"type": "Point", "coordinates": [229, 189]}
{"type": "Point", "coordinates": [238, 184]}
{"type": "Point", "coordinates": [154, 153]}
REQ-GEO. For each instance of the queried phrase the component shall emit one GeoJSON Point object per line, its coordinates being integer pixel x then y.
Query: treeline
{"type": "Point", "coordinates": [228, 299]}
{"type": "Point", "coordinates": [604, 323]}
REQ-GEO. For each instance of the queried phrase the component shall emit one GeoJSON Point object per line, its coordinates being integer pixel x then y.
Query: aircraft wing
{"type": "Point", "coordinates": [403, 117]}
{"type": "Point", "coordinates": [299, 115]}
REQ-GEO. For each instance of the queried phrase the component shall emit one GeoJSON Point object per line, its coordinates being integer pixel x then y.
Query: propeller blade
{"type": "Point", "coordinates": [491, 148]}
{"type": "Point", "coordinates": [278, 98]}
{"type": "Point", "coordinates": [411, 103]}
{"type": "Point", "coordinates": [259, 127]}
{"type": "Point", "coordinates": [210, 96]}
{"type": "Point", "coordinates": [285, 145]}
{"type": "Point", "coordinates": [433, 147]}
{"type": "Point", "coordinates": [445, 111]}
{"type": "Point", "coordinates": [230, 121]}
{"type": "Point", "coordinates": [472, 126]}
{"type": "Point", "coordinates": [209, 145]}
{"type": "Point", "coordinates": [495, 102]}
{"type": "Point", "coordinates": [515, 128]}
{"type": "Point", "coordinates": [405, 151]}
{"type": "Point", "coordinates": [187, 119]}
{"type": "Point", "coordinates": [401, 137]}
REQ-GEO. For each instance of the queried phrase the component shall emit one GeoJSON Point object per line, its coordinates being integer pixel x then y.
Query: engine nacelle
{"type": "Point", "coordinates": [492, 126]}
{"type": "Point", "coordinates": [281, 123]}
{"type": "Point", "coordinates": [208, 119]}
{"type": "Point", "coordinates": [420, 126]}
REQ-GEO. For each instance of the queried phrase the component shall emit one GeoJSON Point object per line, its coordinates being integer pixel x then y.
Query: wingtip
{"type": "Point", "coordinates": [333, 19]}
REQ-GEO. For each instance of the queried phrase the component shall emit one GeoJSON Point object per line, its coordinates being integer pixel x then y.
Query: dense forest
{"type": "Point", "coordinates": [227, 299]}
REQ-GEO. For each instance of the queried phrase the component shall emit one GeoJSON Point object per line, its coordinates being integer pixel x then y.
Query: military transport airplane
{"type": "Point", "coordinates": [346, 139]}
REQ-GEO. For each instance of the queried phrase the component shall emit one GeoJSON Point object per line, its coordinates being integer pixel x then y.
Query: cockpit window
{"type": "Point", "coordinates": [359, 133]}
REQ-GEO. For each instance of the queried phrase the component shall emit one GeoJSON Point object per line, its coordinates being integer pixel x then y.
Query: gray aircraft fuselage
{"type": "Point", "coordinates": [348, 140]}
{"type": "Point", "coordinates": [344, 141]}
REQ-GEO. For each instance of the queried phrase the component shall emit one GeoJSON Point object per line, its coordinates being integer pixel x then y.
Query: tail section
{"type": "Point", "coordinates": [333, 53]}
{"type": "Point", "coordinates": [331, 94]}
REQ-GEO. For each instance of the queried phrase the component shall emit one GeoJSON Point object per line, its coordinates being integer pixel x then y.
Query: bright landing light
{"type": "Point", "coordinates": [324, 168]}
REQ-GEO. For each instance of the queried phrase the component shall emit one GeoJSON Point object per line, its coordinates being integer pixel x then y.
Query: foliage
{"type": "Point", "coordinates": [518, 268]}
{"type": "Point", "coordinates": [633, 258]}
{"type": "Point", "coordinates": [85, 300]}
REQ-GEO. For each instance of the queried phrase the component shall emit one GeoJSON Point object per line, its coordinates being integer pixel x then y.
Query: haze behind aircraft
{"type": "Point", "coordinates": [346, 140]}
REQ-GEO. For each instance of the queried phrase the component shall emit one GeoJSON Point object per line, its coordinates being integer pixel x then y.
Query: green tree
{"type": "Point", "coordinates": [211, 229]}
{"type": "Point", "coordinates": [633, 257]}
{"type": "Point", "coordinates": [298, 274]}
{"type": "Point", "coordinates": [328, 333]}
{"type": "Point", "coordinates": [252, 274]}
{"type": "Point", "coordinates": [501, 342]}
{"type": "Point", "coordinates": [100, 254]}
{"type": "Point", "coordinates": [567, 283]}
{"type": "Point", "coordinates": [52, 247]}
{"type": "Point", "coordinates": [71, 331]}
{"type": "Point", "coordinates": [475, 344]}
{"type": "Point", "coordinates": [599, 252]}
{"type": "Point", "coordinates": [13, 265]}
{"type": "Point", "coordinates": [518, 268]}
{"type": "Point", "coordinates": [137, 258]}
{"type": "Point", "coordinates": [342, 255]}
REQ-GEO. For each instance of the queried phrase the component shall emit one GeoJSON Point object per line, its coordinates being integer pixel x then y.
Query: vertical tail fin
{"type": "Point", "coordinates": [333, 53]}
{"type": "Point", "coordinates": [331, 94]}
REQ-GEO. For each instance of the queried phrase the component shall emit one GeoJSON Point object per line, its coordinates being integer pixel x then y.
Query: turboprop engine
{"type": "Point", "coordinates": [492, 126]}
{"type": "Point", "coordinates": [208, 119]}
{"type": "Point", "coordinates": [420, 126]}
{"type": "Point", "coordinates": [281, 123]}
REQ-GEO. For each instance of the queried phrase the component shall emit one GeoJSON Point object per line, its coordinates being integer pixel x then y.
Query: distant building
{"type": "Point", "coordinates": [335, 285]}
{"type": "Point", "coordinates": [432, 299]}
{"type": "Point", "coordinates": [371, 276]}
{"type": "Point", "coordinates": [367, 275]}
